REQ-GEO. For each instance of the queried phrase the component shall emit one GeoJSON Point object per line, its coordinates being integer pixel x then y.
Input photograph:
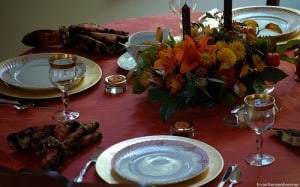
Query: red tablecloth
{"type": "Point", "coordinates": [126, 116]}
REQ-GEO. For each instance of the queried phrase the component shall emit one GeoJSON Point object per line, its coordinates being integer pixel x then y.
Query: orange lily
{"type": "Point", "coordinates": [191, 56]}
{"type": "Point", "coordinates": [168, 59]}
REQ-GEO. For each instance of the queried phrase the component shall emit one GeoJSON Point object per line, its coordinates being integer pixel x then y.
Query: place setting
{"type": "Point", "coordinates": [17, 78]}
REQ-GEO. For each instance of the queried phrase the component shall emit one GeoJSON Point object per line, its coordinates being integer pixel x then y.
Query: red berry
{"type": "Point", "coordinates": [273, 59]}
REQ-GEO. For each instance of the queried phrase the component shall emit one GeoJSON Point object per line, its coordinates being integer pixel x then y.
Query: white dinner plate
{"type": "Point", "coordinates": [126, 62]}
{"type": "Point", "coordinates": [31, 71]}
{"type": "Point", "coordinates": [91, 77]}
{"type": "Point", "coordinates": [287, 19]}
{"type": "Point", "coordinates": [158, 162]}
{"type": "Point", "coordinates": [215, 160]}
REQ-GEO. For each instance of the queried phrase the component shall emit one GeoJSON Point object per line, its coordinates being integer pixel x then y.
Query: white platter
{"type": "Point", "coordinates": [287, 19]}
{"type": "Point", "coordinates": [215, 165]}
{"type": "Point", "coordinates": [126, 62]}
{"type": "Point", "coordinates": [158, 162]}
{"type": "Point", "coordinates": [30, 71]}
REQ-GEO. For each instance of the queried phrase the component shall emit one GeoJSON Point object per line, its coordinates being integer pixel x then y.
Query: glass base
{"type": "Point", "coordinates": [259, 160]}
{"type": "Point", "coordinates": [65, 116]}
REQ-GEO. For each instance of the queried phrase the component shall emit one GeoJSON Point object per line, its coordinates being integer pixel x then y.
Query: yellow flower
{"type": "Point", "coordinates": [222, 44]}
{"type": "Point", "coordinates": [175, 83]}
{"type": "Point", "coordinates": [258, 63]}
{"type": "Point", "coordinates": [227, 58]}
{"type": "Point", "coordinates": [239, 49]}
{"type": "Point", "coordinates": [146, 78]}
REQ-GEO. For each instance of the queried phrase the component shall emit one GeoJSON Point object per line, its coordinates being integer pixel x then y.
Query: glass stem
{"type": "Point", "coordinates": [65, 100]}
{"type": "Point", "coordinates": [259, 143]}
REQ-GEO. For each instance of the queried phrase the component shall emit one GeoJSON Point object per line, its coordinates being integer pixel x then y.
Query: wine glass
{"type": "Point", "coordinates": [176, 7]}
{"type": "Point", "coordinates": [259, 114]}
{"type": "Point", "coordinates": [63, 74]}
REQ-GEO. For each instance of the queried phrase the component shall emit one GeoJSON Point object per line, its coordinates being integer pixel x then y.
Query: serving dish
{"type": "Point", "coordinates": [287, 19]}
{"type": "Point", "coordinates": [31, 71]}
{"type": "Point", "coordinates": [92, 75]}
{"type": "Point", "coordinates": [215, 165]}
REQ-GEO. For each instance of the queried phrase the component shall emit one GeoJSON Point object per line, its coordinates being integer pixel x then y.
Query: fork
{"type": "Point", "coordinates": [93, 159]}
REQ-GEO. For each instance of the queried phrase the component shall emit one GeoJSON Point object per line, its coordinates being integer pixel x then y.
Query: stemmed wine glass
{"type": "Point", "coordinates": [63, 74]}
{"type": "Point", "coordinates": [176, 7]}
{"type": "Point", "coordinates": [259, 114]}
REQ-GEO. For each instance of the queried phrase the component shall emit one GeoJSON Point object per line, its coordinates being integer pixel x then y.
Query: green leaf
{"type": "Point", "coordinates": [288, 59]}
{"type": "Point", "coordinates": [137, 88]}
{"type": "Point", "coordinates": [230, 99]}
{"type": "Point", "coordinates": [157, 94]}
{"type": "Point", "coordinates": [168, 108]}
{"type": "Point", "coordinates": [284, 47]}
{"type": "Point", "coordinates": [258, 85]}
{"type": "Point", "coordinates": [272, 74]}
{"type": "Point", "coordinates": [189, 90]}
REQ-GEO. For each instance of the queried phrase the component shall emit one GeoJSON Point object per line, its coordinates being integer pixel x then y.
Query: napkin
{"type": "Point", "coordinates": [88, 37]}
{"type": "Point", "coordinates": [289, 136]}
{"type": "Point", "coordinates": [55, 143]}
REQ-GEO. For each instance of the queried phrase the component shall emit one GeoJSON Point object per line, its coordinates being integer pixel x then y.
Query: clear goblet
{"type": "Point", "coordinates": [259, 114]}
{"type": "Point", "coordinates": [63, 74]}
{"type": "Point", "coordinates": [176, 7]}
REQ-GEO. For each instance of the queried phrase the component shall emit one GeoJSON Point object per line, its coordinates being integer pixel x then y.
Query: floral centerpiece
{"type": "Point", "coordinates": [210, 66]}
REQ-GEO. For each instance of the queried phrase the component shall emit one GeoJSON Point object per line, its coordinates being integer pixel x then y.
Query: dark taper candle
{"type": "Point", "coordinates": [186, 20]}
{"type": "Point", "coordinates": [227, 14]}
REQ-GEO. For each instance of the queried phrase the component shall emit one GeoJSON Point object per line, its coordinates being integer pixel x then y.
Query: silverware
{"type": "Point", "coordinates": [235, 177]}
{"type": "Point", "coordinates": [93, 159]}
{"type": "Point", "coordinates": [22, 106]}
{"type": "Point", "coordinates": [227, 175]}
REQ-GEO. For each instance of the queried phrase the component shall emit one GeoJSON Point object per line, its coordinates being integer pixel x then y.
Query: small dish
{"type": "Point", "coordinates": [126, 62]}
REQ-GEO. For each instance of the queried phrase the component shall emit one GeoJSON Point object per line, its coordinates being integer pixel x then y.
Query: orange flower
{"type": "Point", "coordinates": [175, 83]}
{"type": "Point", "coordinates": [244, 71]}
{"type": "Point", "coordinates": [168, 59]}
{"type": "Point", "coordinates": [207, 52]}
{"type": "Point", "coordinates": [259, 64]}
{"type": "Point", "coordinates": [197, 53]}
{"type": "Point", "coordinates": [240, 89]}
{"type": "Point", "coordinates": [191, 57]}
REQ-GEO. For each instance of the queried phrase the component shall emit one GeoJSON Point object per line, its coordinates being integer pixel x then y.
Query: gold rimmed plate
{"type": "Point", "coordinates": [91, 75]}
{"type": "Point", "coordinates": [107, 160]}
